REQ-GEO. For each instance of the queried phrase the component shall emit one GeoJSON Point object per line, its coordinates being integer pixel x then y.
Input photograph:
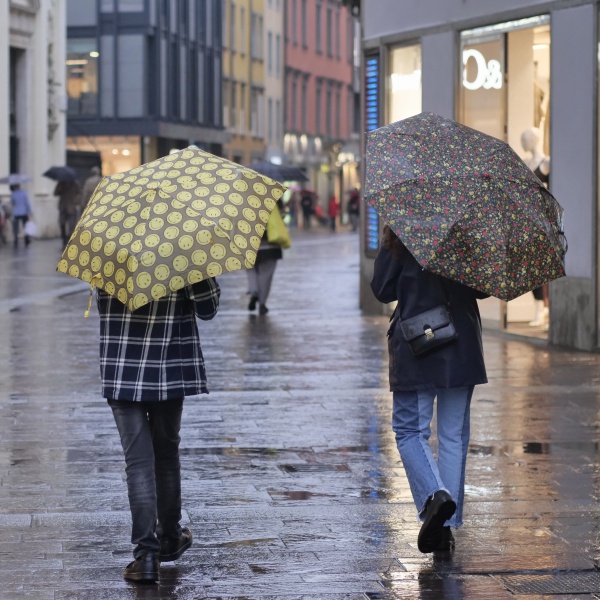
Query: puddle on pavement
{"type": "Point", "coordinates": [231, 451]}
{"type": "Point", "coordinates": [374, 494]}
{"type": "Point", "coordinates": [294, 495]}
{"type": "Point", "coordinates": [517, 448]}
{"type": "Point", "coordinates": [312, 468]}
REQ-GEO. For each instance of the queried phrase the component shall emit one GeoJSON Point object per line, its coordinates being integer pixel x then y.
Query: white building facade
{"type": "Point", "coordinates": [32, 100]}
{"type": "Point", "coordinates": [502, 68]}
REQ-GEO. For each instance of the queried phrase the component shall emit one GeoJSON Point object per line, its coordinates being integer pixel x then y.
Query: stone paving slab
{"type": "Point", "coordinates": [292, 483]}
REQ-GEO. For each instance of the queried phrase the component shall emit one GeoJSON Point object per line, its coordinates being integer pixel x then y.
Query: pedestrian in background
{"type": "Point", "coordinates": [149, 361]}
{"type": "Point", "coordinates": [307, 204]}
{"type": "Point", "coordinates": [292, 209]}
{"type": "Point", "coordinates": [21, 212]}
{"type": "Point", "coordinates": [353, 208]}
{"type": "Point", "coordinates": [89, 186]}
{"type": "Point", "coordinates": [332, 211]}
{"type": "Point", "coordinates": [69, 201]}
{"type": "Point", "coordinates": [260, 277]}
{"type": "Point", "coordinates": [448, 373]}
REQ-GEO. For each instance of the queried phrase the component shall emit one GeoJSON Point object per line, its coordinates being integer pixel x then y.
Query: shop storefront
{"type": "Point", "coordinates": [527, 77]}
{"type": "Point", "coordinates": [504, 91]}
{"type": "Point", "coordinates": [117, 153]}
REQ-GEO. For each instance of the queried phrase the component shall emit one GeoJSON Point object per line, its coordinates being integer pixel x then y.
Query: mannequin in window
{"type": "Point", "coordinates": [537, 161]}
{"type": "Point", "coordinates": [540, 165]}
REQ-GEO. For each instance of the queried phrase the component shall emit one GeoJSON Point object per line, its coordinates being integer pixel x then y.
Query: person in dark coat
{"type": "Point", "coordinates": [307, 204]}
{"type": "Point", "coordinates": [150, 360]}
{"type": "Point", "coordinates": [448, 373]}
{"type": "Point", "coordinates": [89, 187]}
{"type": "Point", "coordinates": [69, 199]}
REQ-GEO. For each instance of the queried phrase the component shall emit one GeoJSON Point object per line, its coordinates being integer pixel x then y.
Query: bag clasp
{"type": "Point", "coordinates": [429, 334]}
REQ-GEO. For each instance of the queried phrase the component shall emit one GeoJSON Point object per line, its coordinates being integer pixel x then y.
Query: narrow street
{"type": "Point", "coordinates": [293, 487]}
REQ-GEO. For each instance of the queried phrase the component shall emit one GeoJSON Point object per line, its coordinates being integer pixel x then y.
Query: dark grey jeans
{"type": "Point", "coordinates": [150, 438]}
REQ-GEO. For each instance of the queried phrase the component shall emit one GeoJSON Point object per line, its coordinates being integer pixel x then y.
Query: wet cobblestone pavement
{"type": "Point", "coordinates": [292, 486]}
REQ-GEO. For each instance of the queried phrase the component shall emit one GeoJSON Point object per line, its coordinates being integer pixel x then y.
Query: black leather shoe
{"type": "Point", "coordinates": [262, 310]}
{"type": "Point", "coordinates": [439, 508]}
{"type": "Point", "coordinates": [172, 549]}
{"type": "Point", "coordinates": [447, 542]}
{"type": "Point", "coordinates": [143, 569]}
{"type": "Point", "coordinates": [252, 303]}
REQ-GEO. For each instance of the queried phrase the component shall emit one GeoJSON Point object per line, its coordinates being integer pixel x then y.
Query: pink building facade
{"type": "Point", "coordinates": [321, 94]}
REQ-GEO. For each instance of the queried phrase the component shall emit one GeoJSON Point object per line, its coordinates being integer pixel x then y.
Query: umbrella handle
{"type": "Point", "coordinates": [93, 282]}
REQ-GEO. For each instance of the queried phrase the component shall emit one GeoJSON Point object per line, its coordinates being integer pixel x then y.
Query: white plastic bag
{"type": "Point", "coordinates": [30, 229]}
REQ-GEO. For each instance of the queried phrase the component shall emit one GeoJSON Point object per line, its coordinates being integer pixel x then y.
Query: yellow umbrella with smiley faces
{"type": "Point", "coordinates": [170, 223]}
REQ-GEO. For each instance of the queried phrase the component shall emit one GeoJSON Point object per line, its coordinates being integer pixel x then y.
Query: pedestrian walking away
{"type": "Point", "coordinates": [333, 211]}
{"type": "Point", "coordinates": [150, 360]}
{"type": "Point", "coordinates": [89, 186]}
{"type": "Point", "coordinates": [69, 199]}
{"type": "Point", "coordinates": [269, 252]}
{"type": "Point", "coordinates": [447, 373]}
{"type": "Point", "coordinates": [307, 204]}
{"type": "Point", "coordinates": [353, 208]}
{"type": "Point", "coordinates": [21, 212]}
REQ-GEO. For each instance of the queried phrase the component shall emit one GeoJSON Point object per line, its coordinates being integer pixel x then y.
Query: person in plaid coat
{"type": "Point", "coordinates": [150, 360]}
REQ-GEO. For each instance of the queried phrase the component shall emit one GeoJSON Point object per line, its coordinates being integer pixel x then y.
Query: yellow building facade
{"type": "Point", "coordinates": [244, 79]}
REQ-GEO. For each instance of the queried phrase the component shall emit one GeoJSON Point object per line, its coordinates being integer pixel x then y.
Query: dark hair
{"type": "Point", "coordinates": [392, 242]}
{"type": "Point", "coordinates": [14, 186]}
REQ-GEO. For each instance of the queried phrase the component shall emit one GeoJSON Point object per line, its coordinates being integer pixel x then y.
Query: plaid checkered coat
{"type": "Point", "coordinates": [154, 353]}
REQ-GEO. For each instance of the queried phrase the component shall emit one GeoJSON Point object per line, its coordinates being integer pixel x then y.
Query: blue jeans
{"type": "Point", "coordinates": [411, 421]}
{"type": "Point", "coordinates": [150, 438]}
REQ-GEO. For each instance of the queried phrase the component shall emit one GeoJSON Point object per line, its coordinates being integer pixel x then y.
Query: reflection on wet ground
{"type": "Point", "coordinates": [291, 480]}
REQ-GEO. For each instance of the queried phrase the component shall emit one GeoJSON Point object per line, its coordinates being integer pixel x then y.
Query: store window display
{"type": "Point", "coordinates": [539, 163]}
{"type": "Point", "coordinates": [505, 92]}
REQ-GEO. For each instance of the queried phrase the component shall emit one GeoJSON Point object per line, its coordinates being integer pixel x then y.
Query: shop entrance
{"type": "Point", "coordinates": [505, 92]}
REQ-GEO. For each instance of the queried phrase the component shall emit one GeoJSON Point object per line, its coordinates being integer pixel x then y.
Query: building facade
{"type": "Point", "coordinates": [320, 95]}
{"type": "Point", "coordinates": [244, 79]}
{"type": "Point", "coordinates": [528, 65]}
{"type": "Point", "coordinates": [32, 100]}
{"type": "Point", "coordinates": [273, 44]}
{"type": "Point", "coordinates": [143, 77]}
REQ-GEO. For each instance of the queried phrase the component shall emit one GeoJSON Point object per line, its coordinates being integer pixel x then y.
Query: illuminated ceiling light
{"type": "Point", "coordinates": [125, 152]}
{"type": "Point", "coordinates": [115, 151]}
{"type": "Point", "coordinates": [94, 54]}
{"type": "Point", "coordinates": [80, 61]}
{"type": "Point", "coordinates": [540, 46]}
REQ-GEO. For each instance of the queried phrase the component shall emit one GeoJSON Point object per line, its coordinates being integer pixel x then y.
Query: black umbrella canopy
{"type": "Point", "coordinates": [64, 173]}
{"type": "Point", "coordinates": [279, 172]}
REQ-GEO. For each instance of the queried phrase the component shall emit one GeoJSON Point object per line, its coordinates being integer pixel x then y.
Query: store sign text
{"type": "Point", "coordinates": [488, 74]}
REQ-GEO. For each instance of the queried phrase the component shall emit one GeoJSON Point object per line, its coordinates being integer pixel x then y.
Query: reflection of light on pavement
{"type": "Point", "coordinates": [478, 491]}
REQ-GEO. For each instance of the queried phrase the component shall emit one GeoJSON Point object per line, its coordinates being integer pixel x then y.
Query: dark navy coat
{"type": "Point", "coordinates": [457, 364]}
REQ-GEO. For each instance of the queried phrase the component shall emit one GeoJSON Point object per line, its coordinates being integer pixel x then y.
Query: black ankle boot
{"type": "Point", "coordinates": [143, 569]}
{"type": "Point", "coordinates": [439, 508]}
{"type": "Point", "coordinates": [172, 549]}
{"type": "Point", "coordinates": [447, 542]}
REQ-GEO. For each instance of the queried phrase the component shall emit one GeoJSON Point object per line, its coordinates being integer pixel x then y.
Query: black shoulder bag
{"type": "Point", "coordinates": [428, 330]}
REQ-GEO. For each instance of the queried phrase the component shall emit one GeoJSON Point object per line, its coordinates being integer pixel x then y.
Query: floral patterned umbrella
{"type": "Point", "coordinates": [465, 205]}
